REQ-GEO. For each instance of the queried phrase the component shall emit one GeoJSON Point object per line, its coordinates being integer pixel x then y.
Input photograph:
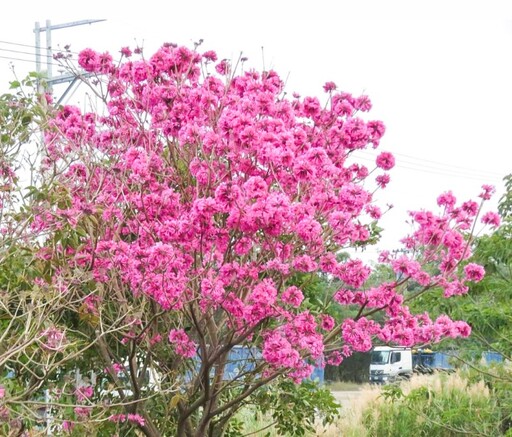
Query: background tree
{"type": "Point", "coordinates": [486, 308]}
{"type": "Point", "coordinates": [172, 235]}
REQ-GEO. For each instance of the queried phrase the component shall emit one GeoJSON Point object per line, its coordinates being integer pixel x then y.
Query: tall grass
{"type": "Point", "coordinates": [440, 405]}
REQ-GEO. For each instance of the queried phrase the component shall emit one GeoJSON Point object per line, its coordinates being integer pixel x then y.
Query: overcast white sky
{"type": "Point", "coordinates": [439, 73]}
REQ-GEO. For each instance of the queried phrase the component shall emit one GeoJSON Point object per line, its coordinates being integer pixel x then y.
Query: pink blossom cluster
{"type": "Point", "coordinates": [209, 192]}
{"type": "Point", "coordinates": [84, 392]}
{"type": "Point", "coordinates": [285, 347]}
{"type": "Point", "coordinates": [53, 339]}
{"type": "Point", "coordinates": [182, 343]}
{"type": "Point", "coordinates": [442, 240]}
{"type": "Point", "coordinates": [136, 419]}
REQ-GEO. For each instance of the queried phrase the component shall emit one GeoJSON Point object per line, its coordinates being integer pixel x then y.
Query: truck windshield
{"type": "Point", "coordinates": [380, 357]}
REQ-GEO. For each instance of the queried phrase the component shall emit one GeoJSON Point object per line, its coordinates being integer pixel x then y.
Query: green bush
{"type": "Point", "coordinates": [444, 405]}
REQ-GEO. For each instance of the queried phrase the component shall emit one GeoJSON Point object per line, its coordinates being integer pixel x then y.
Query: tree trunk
{"type": "Point", "coordinates": [149, 429]}
{"type": "Point", "coordinates": [184, 425]}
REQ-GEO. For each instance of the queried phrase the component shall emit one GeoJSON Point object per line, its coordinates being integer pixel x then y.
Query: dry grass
{"type": "Point", "coordinates": [351, 416]}
{"type": "Point", "coordinates": [350, 423]}
{"type": "Point", "coordinates": [344, 386]}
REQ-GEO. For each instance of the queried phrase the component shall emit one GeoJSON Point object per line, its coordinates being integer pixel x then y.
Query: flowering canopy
{"type": "Point", "coordinates": [190, 204]}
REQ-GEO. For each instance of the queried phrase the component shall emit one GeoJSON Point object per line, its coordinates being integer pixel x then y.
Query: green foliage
{"type": "Point", "coordinates": [498, 379]}
{"type": "Point", "coordinates": [488, 310]}
{"type": "Point", "coordinates": [296, 408]}
{"type": "Point", "coordinates": [505, 206]}
{"type": "Point", "coordinates": [487, 305]}
{"type": "Point", "coordinates": [20, 112]}
{"type": "Point", "coordinates": [441, 409]}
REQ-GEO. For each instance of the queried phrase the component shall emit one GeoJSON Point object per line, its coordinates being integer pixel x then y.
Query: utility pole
{"type": "Point", "coordinates": [49, 52]}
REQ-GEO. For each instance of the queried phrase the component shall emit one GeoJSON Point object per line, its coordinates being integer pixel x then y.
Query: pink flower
{"type": "Point", "coordinates": [157, 338]}
{"type": "Point", "coordinates": [89, 60]}
{"type": "Point", "coordinates": [382, 180]}
{"type": "Point", "coordinates": [278, 351]}
{"type": "Point", "coordinates": [470, 207]}
{"type": "Point", "coordinates": [405, 266]}
{"type": "Point", "coordinates": [292, 296]}
{"type": "Point", "coordinates": [83, 393]}
{"type": "Point", "coordinates": [125, 51]}
{"type": "Point", "coordinates": [256, 187]}
{"type": "Point", "coordinates": [243, 246]}
{"type": "Point", "coordinates": [344, 297]}
{"type": "Point", "coordinates": [55, 339]}
{"type": "Point", "coordinates": [363, 103]}
{"type": "Point", "coordinates": [304, 263]}
{"type": "Point", "coordinates": [455, 288]}
{"type": "Point", "coordinates": [67, 426]}
{"type": "Point", "coordinates": [105, 60]}
{"type": "Point", "coordinates": [447, 199]}
{"type": "Point", "coordinates": [82, 412]}
{"type": "Point", "coordinates": [374, 211]}
{"type": "Point", "coordinates": [329, 86]}
{"type": "Point", "coordinates": [265, 293]}
{"type": "Point", "coordinates": [182, 344]}
{"type": "Point", "coordinates": [223, 67]}
{"type": "Point", "coordinates": [210, 55]}
{"type": "Point", "coordinates": [353, 272]}
{"type": "Point", "coordinates": [327, 322]}
{"type": "Point", "coordinates": [474, 272]}
{"type": "Point", "coordinates": [309, 230]}
{"type": "Point", "coordinates": [487, 192]}
{"type": "Point", "coordinates": [356, 336]}
{"type": "Point", "coordinates": [2, 391]}
{"type": "Point", "coordinates": [312, 106]}
{"type": "Point", "coordinates": [376, 130]}
{"type": "Point", "coordinates": [118, 367]}
{"type": "Point", "coordinates": [136, 418]}
{"type": "Point", "coordinates": [462, 328]}
{"type": "Point", "coordinates": [491, 218]}
{"type": "Point", "coordinates": [386, 161]}
{"type": "Point", "coordinates": [118, 418]}
{"type": "Point", "coordinates": [335, 358]}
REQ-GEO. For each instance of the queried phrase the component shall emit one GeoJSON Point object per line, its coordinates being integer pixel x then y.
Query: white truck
{"type": "Point", "coordinates": [389, 364]}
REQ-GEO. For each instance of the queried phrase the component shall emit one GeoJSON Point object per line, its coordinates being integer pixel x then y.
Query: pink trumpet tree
{"type": "Point", "coordinates": [174, 220]}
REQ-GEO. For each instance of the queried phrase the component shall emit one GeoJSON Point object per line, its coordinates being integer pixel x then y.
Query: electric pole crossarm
{"type": "Point", "coordinates": [64, 25]}
{"type": "Point", "coordinates": [62, 79]}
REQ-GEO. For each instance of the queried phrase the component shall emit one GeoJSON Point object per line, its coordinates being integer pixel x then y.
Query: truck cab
{"type": "Point", "coordinates": [389, 364]}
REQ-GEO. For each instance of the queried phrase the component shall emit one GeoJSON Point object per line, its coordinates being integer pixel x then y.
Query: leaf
{"type": "Point", "coordinates": [173, 403]}
{"type": "Point", "coordinates": [85, 314]}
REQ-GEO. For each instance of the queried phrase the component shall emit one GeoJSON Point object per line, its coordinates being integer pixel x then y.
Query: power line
{"type": "Point", "coordinates": [435, 164]}
{"type": "Point", "coordinates": [22, 45]}
{"type": "Point", "coordinates": [11, 58]}
{"type": "Point", "coordinates": [33, 47]}
{"type": "Point", "coordinates": [434, 167]}
{"type": "Point", "coordinates": [26, 60]}
{"type": "Point", "coordinates": [440, 165]}
{"type": "Point", "coordinates": [17, 51]}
